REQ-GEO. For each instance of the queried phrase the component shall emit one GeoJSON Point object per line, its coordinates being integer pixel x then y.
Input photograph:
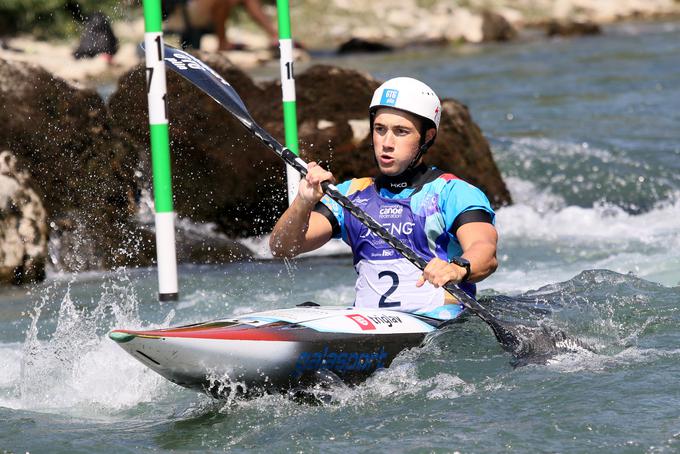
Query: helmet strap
{"type": "Point", "coordinates": [423, 147]}
{"type": "Point", "coordinates": [416, 159]}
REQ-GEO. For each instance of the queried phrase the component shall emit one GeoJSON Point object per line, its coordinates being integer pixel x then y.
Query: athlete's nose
{"type": "Point", "coordinates": [388, 140]}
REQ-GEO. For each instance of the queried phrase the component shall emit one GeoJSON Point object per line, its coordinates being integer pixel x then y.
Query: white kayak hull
{"type": "Point", "coordinates": [280, 349]}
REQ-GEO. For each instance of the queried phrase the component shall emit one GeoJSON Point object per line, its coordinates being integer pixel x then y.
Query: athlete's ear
{"type": "Point", "coordinates": [429, 135]}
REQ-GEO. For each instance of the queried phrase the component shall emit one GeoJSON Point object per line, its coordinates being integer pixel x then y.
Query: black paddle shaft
{"type": "Point", "coordinates": [210, 82]}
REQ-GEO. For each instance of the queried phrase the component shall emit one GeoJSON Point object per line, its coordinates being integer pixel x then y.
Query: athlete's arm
{"type": "Point", "coordinates": [478, 241]}
{"type": "Point", "coordinates": [300, 229]}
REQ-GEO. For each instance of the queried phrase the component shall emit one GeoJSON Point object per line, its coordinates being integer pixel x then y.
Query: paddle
{"type": "Point", "coordinates": [531, 341]}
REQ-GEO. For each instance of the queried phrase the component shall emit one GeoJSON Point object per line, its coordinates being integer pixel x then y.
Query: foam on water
{"type": "Point", "coordinates": [545, 216]}
{"type": "Point", "coordinates": [404, 379]}
{"type": "Point", "coordinates": [543, 239]}
{"type": "Point", "coordinates": [589, 361]}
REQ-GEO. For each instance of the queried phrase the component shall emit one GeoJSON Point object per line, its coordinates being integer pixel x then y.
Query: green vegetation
{"type": "Point", "coordinates": [48, 18]}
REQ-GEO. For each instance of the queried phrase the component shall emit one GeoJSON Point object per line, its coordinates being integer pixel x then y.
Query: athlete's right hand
{"type": "Point", "coordinates": [310, 191]}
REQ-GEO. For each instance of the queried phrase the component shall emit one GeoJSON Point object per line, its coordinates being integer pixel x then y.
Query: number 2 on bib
{"type": "Point", "coordinates": [395, 283]}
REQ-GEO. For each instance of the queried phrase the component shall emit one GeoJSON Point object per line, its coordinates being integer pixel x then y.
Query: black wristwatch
{"type": "Point", "coordinates": [463, 263]}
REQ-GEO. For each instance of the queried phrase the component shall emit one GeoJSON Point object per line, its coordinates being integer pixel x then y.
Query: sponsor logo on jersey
{"type": "Point", "coordinates": [383, 253]}
{"type": "Point", "coordinates": [399, 185]}
{"type": "Point", "coordinates": [391, 211]}
{"type": "Point", "coordinates": [362, 321]}
{"type": "Point", "coordinates": [429, 203]}
{"type": "Point", "coordinates": [339, 361]}
{"type": "Point", "coordinates": [405, 228]}
{"type": "Point", "coordinates": [360, 201]}
{"type": "Point", "coordinates": [389, 97]}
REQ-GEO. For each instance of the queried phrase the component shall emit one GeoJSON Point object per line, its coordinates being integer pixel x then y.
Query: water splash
{"type": "Point", "coordinates": [609, 311]}
{"type": "Point", "coordinates": [76, 367]}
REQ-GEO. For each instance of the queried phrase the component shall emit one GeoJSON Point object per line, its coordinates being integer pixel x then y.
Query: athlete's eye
{"type": "Point", "coordinates": [379, 129]}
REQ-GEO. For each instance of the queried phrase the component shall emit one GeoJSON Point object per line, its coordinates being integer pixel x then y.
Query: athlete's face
{"type": "Point", "coordinates": [396, 139]}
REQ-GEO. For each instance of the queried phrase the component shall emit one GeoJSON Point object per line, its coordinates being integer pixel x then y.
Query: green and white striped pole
{"type": "Point", "coordinates": [160, 151]}
{"type": "Point", "coordinates": [288, 93]}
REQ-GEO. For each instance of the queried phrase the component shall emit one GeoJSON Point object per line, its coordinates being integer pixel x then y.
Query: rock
{"type": "Point", "coordinates": [81, 170]}
{"type": "Point", "coordinates": [462, 24]}
{"type": "Point", "coordinates": [23, 225]}
{"type": "Point", "coordinates": [221, 174]}
{"type": "Point", "coordinates": [357, 45]}
{"type": "Point", "coordinates": [572, 28]}
{"type": "Point", "coordinates": [89, 167]}
{"type": "Point", "coordinates": [497, 28]}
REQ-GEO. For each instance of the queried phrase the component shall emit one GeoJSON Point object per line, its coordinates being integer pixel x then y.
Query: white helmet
{"type": "Point", "coordinates": [410, 95]}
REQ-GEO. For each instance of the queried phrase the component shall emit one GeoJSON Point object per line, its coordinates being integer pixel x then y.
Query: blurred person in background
{"type": "Point", "coordinates": [195, 18]}
{"type": "Point", "coordinates": [97, 36]}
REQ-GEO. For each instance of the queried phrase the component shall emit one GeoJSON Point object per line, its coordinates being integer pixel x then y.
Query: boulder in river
{"type": "Point", "coordinates": [572, 28]}
{"type": "Point", "coordinates": [496, 27]}
{"type": "Point", "coordinates": [358, 45]}
{"type": "Point", "coordinates": [83, 173]}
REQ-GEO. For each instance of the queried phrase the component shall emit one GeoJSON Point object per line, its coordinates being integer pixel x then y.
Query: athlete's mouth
{"type": "Point", "coordinates": [386, 158]}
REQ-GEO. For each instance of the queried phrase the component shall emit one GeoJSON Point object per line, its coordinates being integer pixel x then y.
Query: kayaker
{"type": "Point", "coordinates": [444, 219]}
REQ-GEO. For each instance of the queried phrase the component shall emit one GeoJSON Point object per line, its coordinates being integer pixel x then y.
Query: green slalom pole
{"type": "Point", "coordinates": [160, 151]}
{"type": "Point", "coordinates": [288, 93]}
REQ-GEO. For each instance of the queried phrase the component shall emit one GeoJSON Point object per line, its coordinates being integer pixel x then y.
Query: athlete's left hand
{"type": "Point", "coordinates": [438, 272]}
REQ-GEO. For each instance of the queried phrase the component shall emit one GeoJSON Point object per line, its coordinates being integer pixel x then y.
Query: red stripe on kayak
{"type": "Point", "coordinates": [226, 333]}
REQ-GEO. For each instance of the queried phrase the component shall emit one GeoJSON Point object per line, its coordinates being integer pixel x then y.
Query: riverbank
{"type": "Point", "coordinates": [429, 22]}
{"type": "Point", "coordinates": [57, 56]}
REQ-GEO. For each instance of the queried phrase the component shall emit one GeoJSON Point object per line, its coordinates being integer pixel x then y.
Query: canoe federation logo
{"type": "Point", "coordinates": [389, 97]}
{"type": "Point", "coordinates": [391, 211]}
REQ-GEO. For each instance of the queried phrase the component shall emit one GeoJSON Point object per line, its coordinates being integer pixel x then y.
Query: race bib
{"type": "Point", "coordinates": [391, 284]}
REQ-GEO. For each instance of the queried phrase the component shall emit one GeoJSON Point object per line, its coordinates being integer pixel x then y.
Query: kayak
{"type": "Point", "coordinates": [282, 349]}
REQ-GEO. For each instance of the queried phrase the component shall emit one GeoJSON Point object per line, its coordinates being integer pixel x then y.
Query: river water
{"type": "Point", "coordinates": [586, 134]}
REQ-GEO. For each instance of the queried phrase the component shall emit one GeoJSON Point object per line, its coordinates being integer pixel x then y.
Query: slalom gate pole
{"type": "Point", "coordinates": [160, 151]}
{"type": "Point", "coordinates": [288, 93]}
